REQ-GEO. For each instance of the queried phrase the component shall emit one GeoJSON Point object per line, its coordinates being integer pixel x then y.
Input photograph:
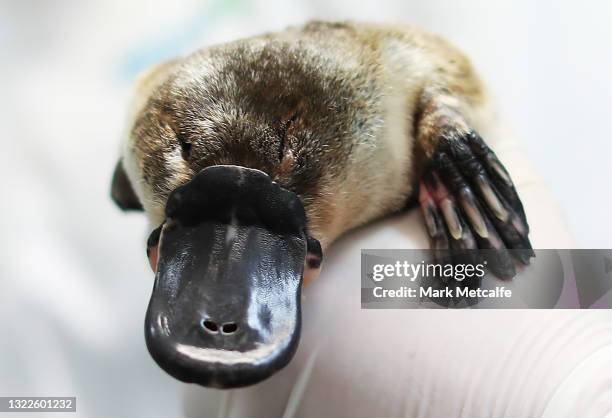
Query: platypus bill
{"type": "Point", "coordinates": [251, 157]}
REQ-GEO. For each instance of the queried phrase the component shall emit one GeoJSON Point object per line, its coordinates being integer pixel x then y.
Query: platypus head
{"type": "Point", "coordinates": [222, 167]}
{"type": "Point", "coordinates": [229, 260]}
{"type": "Point", "coordinates": [225, 309]}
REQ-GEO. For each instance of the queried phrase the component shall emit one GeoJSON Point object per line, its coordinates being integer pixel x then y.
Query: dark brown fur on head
{"type": "Point", "coordinates": [271, 105]}
{"type": "Point", "coordinates": [325, 109]}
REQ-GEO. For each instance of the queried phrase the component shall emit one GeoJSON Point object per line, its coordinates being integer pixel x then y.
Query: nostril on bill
{"type": "Point", "coordinates": [229, 328]}
{"type": "Point", "coordinates": [210, 326]}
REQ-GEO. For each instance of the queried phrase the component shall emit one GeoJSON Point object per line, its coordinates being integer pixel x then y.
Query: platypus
{"type": "Point", "coordinates": [251, 157]}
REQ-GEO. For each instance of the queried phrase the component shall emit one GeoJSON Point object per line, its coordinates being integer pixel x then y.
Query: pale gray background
{"type": "Point", "coordinates": [74, 279]}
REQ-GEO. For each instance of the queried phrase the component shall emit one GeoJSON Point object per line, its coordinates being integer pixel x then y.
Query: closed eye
{"type": "Point", "coordinates": [186, 145]}
{"type": "Point", "coordinates": [184, 141]}
{"type": "Point", "coordinates": [286, 128]}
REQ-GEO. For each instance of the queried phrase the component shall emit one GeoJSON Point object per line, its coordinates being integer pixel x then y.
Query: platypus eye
{"type": "Point", "coordinates": [287, 128]}
{"type": "Point", "coordinates": [173, 130]}
{"type": "Point", "coordinates": [185, 145]}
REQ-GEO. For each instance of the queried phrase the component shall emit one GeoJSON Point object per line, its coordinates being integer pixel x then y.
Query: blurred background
{"type": "Point", "coordinates": [74, 278]}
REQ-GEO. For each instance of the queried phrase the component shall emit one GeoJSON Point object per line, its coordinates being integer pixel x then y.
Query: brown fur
{"type": "Point", "coordinates": [306, 106]}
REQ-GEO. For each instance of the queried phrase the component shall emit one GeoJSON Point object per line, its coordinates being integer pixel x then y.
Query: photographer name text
{"type": "Point", "coordinates": [432, 292]}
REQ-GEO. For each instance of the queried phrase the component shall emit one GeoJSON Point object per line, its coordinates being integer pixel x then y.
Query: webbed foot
{"type": "Point", "coordinates": [471, 206]}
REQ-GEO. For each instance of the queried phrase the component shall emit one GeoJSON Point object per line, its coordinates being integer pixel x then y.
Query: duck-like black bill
{"type": "Point", "coordinates": [225, 308]}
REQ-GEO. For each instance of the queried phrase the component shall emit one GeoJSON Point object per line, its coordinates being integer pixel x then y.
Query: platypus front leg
{"type": "Point", "coordinates": [467, 197]}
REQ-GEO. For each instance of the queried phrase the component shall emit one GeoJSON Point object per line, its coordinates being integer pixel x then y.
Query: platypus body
{"type": "Point", "coordinates": [252, 157]}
